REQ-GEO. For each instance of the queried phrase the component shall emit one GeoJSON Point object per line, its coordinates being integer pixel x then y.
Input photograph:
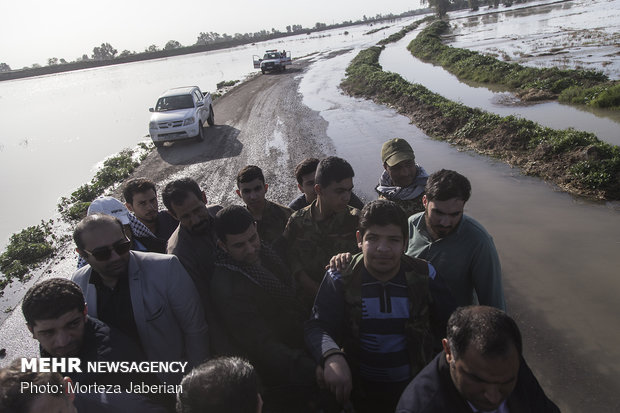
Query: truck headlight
{"type": "Point", "coordinates": [189, 121]}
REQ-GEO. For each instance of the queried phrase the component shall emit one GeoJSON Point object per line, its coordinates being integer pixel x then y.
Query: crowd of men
{"type": "Point", "coordinates": [327, 305]}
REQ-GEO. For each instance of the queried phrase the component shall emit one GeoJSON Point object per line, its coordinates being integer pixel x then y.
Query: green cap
{"type": "Point", "coordinates": [395, 151]}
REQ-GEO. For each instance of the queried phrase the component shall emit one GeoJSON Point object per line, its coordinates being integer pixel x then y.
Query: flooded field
{"type": "Point", "coordinates": [579, 34]}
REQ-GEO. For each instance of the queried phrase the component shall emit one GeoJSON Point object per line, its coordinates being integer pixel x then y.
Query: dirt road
{"type": "Point", "coordinates": [261, 122]}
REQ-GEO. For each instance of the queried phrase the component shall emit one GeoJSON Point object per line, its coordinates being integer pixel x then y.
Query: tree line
{"type": "Point", "coordinates": [106, 52]}
{"type": "Point", "coordinates": [443, 6]}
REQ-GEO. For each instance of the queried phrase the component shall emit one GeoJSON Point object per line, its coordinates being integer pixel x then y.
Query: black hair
{"type": "Point", "coordinates": [93, 221]}
{"type": "Point", "coordinates": [383, 212]}
{"type": "Point", "coordinates": [250, 173]}
{"type": "Point", "coordinates": [332, 169]}
{"type": "Point", "coordinates": [224, 384]}
{"type": "Point", "coordinates": [445, 184]}
{"type": "Point", "coordinates": [490, 330]}
{"type": "Point", "coordinates": [177, 191]}
{"type": "Point", "coordinates": [233, 219]}
{"type": "Point", "coordinates": [305, 167]}
{"type": "Point", "coordinates": [15, 400]}
{"type": "Point", "coordinates": [137, 186]}
{"type": "Point", "coordinates": [50, 299]}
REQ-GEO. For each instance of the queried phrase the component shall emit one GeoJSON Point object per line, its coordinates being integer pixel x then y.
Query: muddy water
{"type": "Point", "coordinates": [571, 34]}
{"type": "Point", "coordinates": [559, 255]}
{"type": "Point", "coordinates": [55, 129]}
{"type": "Point", "coordinates": [396, 58]}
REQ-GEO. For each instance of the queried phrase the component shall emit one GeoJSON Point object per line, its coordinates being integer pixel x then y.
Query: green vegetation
{"type": "Point", "coordinates": [403, 32]}
{"type": "Point", "coordinates": [114, 170]}
{"type": "Point", "coordinates": [378, 29]}
{"type": "Point", "coordinates": [576, 161]}
{"type": "Point", "coordinates": [575, 86]}
{"type": "Point", "coordinates": [226, 83]}
{"type": "Point", "coordinates": [25, 251]}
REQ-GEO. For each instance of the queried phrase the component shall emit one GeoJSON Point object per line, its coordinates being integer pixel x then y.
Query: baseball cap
{"type": "Point", "coordinates": [110, 206]}
{"type": "Point", "coordinates": [395, 151]}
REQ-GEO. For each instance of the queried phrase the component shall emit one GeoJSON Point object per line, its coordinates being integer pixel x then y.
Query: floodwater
{"type": "Point", "coordinates": [581, 34]}
{"type": "Point", "coordinates": [559, 254]}
{"type": "Point", "coordinates": [605, 124]}
{"type": "Point", "coordinates": [56, 129]}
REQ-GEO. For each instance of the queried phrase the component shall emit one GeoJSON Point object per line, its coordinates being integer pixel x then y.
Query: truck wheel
{"type": "Point", "coordinates": [283, 68]}
{"type": "Point", "coordinates": [211, 118]}
{"type": "Point", "coordinates": [262, 70]}
{"type": "Point", "coordinates": [201, 133]}
{"type": "Point", "coordinates": [158, 144]}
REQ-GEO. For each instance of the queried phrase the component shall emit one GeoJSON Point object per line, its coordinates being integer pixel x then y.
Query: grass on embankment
{"type": "Point", "coordinates": [30, 247]}
{"type": "Point", "coordinates": [576, 161]}
{"type": "Point", "coordinates": [572, 86]}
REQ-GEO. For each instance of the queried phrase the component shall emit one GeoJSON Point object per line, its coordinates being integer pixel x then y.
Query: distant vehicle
{"type": "Point", "coordinates": [179, 114]}
{"type": "Point", "coordinates": [273, 60]}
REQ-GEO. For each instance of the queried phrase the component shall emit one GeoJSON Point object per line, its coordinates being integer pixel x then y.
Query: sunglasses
{"type": "Point", "coordinates": [104, 253]}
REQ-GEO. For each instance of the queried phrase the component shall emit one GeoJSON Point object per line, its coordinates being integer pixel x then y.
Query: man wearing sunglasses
{"type": "Point", "coordinates": [150, 297]}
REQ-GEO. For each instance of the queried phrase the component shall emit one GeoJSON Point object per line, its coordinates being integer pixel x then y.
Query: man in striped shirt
{"type": "Point", "coordinates": [370, 325]}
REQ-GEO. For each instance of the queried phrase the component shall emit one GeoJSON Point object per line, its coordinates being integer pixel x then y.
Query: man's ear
{"type": "Point", "coordinates": [424, 200]}
{"type": "Point", "coordinates": [238, 192]}
{"type": "Point", "coordinates": [300, 188]}
{"type": "Point", "coordinates": [317, 189]}
{"type": "Point", "coordinates": [221, 245]}
{"type": "Point", "coordinates": [129, 206]}
{"type": "Point", "coordinates": [360, 239]}
{"type": "Point", "coordinates": [204, 197]}
{"type": "Point", "coordinates": [85, 312]}
{"type": "Point", "coordinates": [266, 187]}
{"type": "Point", "coordinates": [446, 349]}
{"type": "Point", "coordinates": [30, 328]}
{"type": "Point", "coordinates": [65, 384]}
{"type": "Point", "coordinates": [385, 166]}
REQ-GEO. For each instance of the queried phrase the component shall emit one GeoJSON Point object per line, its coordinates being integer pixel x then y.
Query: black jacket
{"type": "Point", "coordinates": [432, 391]}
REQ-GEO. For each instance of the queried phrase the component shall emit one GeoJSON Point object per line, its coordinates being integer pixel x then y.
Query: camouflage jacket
{"type": "Point", "coordinates": [271, 226]}
{"type": "Point", "coordinates": [311, 244]}
{"type": "Point", "coordinates": [410, 206]}
{"type": "Point", "coordinates": [323, 338]}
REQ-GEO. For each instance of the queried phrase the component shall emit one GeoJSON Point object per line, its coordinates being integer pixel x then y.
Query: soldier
{"type": "Point", "coordinates": [403, 180]}
{"type": "Point", "coordinates": [370, 325]}
{"type": "Point", "coordinates": [271, 218]}
{"type": "Point", "coordinates": [325, 227]}
{"type": "Point", "coordinates": [304, 174]}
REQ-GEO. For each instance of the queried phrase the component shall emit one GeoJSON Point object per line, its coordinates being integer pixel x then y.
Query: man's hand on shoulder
{"type": "Point", "coordinates": [337, 377]}
{"type": "Point", "coordinates": [339, 262]}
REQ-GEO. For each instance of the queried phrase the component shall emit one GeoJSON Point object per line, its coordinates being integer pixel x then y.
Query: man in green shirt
{"type": "Point", "coordinates": [457, 245]}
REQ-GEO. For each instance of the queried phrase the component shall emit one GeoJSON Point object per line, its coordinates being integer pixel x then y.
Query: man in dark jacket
{"type": "Point", "coordinates": [480, 370]}
{"type": "Point", "coordinates": [55, 314]}
{"type": "Point", "coordinates": [256, 297]}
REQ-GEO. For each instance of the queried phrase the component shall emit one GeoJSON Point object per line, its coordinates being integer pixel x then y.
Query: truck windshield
{"type": "Point", "coordinates": [174, 103]}
{"type": "Point", "coordinates": [271, 56]}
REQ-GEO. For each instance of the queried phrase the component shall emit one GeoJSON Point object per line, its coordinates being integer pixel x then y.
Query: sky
{"type": "Point", "coordinates": [33, 30]}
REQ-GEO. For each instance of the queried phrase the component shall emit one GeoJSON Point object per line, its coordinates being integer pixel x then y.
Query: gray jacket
{"type": "Point", "coordinates": [166, 307]}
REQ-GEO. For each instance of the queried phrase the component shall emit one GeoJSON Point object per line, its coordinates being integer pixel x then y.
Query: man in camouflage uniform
{"type": "Point", "coordinates": [370, 325]}
{"type": "Point", "coordinates": [271, 218]}
{"type": "Point", "coordinates": [402, 180]}
{"type": "Point", "coordinates": [324, 228]}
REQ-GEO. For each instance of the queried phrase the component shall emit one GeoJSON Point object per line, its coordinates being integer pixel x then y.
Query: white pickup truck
{"type": "Point", "coordinates": [181, 113]}
{"type": "Point", "coordinates": [273, 60]}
